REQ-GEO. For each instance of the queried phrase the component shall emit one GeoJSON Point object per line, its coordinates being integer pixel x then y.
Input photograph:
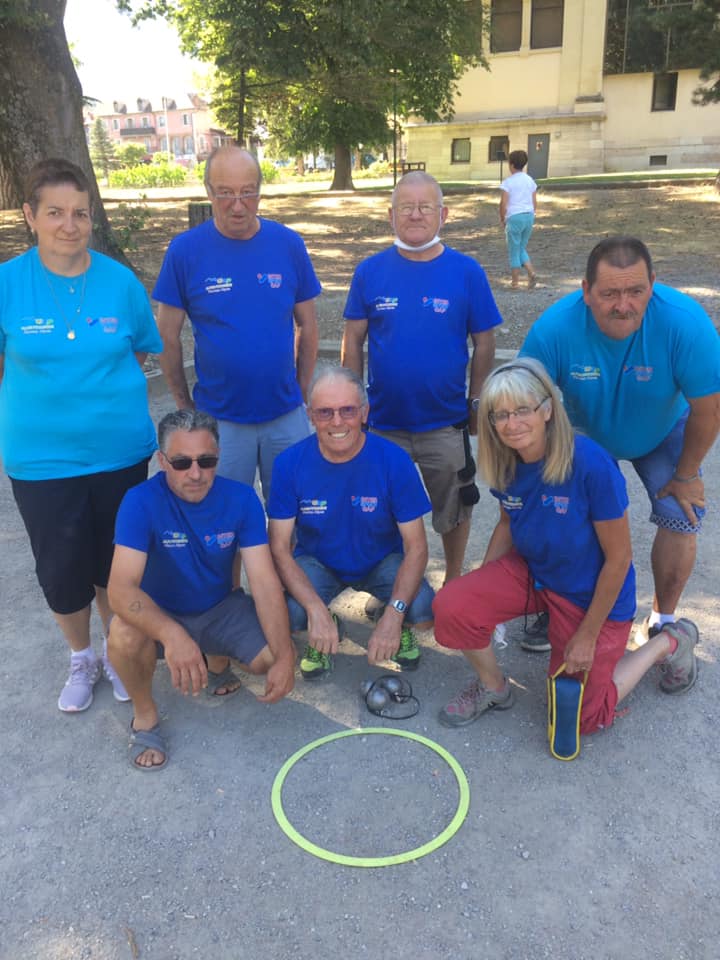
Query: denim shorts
{"type": "Point", "coordinates": [379, 582]}
{"type": "Point", "coordinates": [655, 469]}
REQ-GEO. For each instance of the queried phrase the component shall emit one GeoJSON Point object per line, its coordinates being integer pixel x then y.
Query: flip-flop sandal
{"type": "Point", "coordinates": [142, 740]}
{"type": "Point", "coordinates": [224, 679]}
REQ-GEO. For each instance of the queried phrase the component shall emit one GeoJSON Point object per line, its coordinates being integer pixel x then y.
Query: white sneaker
{"type": "Point", "coordinates": [119, 691]}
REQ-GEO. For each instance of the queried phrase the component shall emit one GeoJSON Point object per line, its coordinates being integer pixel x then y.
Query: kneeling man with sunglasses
{"type": "Point", "coordinates": [346, 510]}
{"type": "Point", "coordinates": [171, 584]}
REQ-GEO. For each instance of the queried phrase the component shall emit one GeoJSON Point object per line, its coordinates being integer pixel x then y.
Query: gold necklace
{"type": "Point", "coordinates": [71, 335]}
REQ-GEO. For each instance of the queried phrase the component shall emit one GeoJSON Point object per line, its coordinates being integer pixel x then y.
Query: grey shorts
{"type": "Point", "coordinates": [229, 629]}
{"type": "Point", "coordinates": [439, 454]}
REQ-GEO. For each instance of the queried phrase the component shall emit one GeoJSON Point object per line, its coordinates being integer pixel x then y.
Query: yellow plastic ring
{"type": "Point", "coordinates": [348, 861]}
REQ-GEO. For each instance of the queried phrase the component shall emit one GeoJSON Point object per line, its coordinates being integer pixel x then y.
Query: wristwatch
{"type": "Point", "coordinates": [474, 403]}
{"type": "Point", "coordinates": [398, 605]}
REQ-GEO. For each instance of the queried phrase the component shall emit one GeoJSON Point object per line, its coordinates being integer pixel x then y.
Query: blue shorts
{"type": "Point", "coordinates": [244, 447]}
{"type": "Point", "coordinates": [379, 582]}
{"type": "Point", "coordinates": [229, 629]}
{"type": "Point", "coordinates": [655, 469]}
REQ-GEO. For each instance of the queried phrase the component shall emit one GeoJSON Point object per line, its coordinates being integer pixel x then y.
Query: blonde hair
{"type": "Point", "coordinates": [524, 381]}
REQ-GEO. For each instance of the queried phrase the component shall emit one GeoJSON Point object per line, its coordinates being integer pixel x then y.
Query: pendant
{"type": "Point", "coordinates": [71, 334]}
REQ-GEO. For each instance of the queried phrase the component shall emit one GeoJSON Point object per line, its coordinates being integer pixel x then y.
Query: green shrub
{"type": "Point", "coordinates": [149, 175]}
{"type": "Point", "coordinates": [130, 154]}
{"type": "Point", "coordinates": [376, 170]}
{"type": "Point", "coordinates": [129, 220]}
{"type": "Point", "coordinates": [269, 171]}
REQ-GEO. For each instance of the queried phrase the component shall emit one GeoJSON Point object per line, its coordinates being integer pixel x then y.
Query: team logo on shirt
{"type": "Point", "coordinates": [174, 539]}
{"type": "Point", "coordinates": [108, 324]}
{"type": "Point", "coordinates": [584, 371]}
{"type": "Point", "coordinates": [560, 504]}
{"type": "Point", "coordinates": [366, 504]}
{"type": "Point", "coordinates": [33, 325]}
{"type": "Point", "coordinates": [222, 540]}
{"type": "Point", "coordinates": [641, 374]}
{"type": "Point", "coordinates": [274, 280]}
{"type": "Point", "coordinates": [313, 507]}
{"type": "Point", "coordinates": [218, 284]}
{"type": "Point", "coordinates": [386, 303]}
{"type": "Point", "coordinates": [512, 503]}
{"type": "Point", "coordinates": [436, 304]}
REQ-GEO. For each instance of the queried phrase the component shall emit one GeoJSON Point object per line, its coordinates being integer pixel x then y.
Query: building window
{"type": "Point", "coordinates": [664, 91]}
{"type": "Point", "coordinates": [498, 149]}
{"type": "Point", "coordinates": [116, 123]}
{"type": "Point", "coordinates": [658, 159]}
{"type": "Point", "coordinates": [186, 119]}
{"type": "Point", "coordinates": [546, 24]}
{"type": "Point", "coordinates": [163, 144]}
{"type": "Point", "coordinates": [505, 25]}
{"type": "Point", "coordinates": [130, 123]}
{"type": "Point", "coordinates": [161, 120]}
{"type": "Point", "coordinates": [145, 122]}
{"type": "Point", "coordinates": [188, 145]}
{"type": "Point", "coordinates": [460, 152]}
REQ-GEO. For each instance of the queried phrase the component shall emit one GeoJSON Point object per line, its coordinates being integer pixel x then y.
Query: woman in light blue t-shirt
{"type": "Point", "coordinates": [75, 430]}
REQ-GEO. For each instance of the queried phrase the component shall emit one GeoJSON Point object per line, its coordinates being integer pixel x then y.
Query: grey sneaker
{"type": "Point", "coordinates": [535, 638]}
{"type": "Point", "coordinates": [679, 671]}
{"type": "Point", "coordinates": [473, 700]}
{"type": "Point", "coordinates": [77, 694]}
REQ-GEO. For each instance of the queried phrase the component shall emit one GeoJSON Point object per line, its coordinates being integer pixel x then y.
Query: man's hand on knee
{"type": "Point", "coordinates": [688, 493]}
{"type": "Point", "coordinates": [185, 662]}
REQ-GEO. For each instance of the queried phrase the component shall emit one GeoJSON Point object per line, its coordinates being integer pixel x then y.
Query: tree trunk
{"type": "Point", "coordinates": [41, 110]}
{"type": "Point", "coordinates": [342, 177]}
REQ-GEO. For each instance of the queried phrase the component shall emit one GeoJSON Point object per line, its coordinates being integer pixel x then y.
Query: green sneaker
{"type": "Point", "coordinates": [408, 655]}
{"type": "Point", "coordinates": [314, 664]}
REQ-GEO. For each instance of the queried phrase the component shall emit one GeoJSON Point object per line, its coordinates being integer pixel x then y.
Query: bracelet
{"type": "Point", "coordinates": [695, 476]}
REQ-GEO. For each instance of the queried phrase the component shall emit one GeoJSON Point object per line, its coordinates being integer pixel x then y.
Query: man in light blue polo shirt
{"type": "Point", "coordinates": [639, 367]}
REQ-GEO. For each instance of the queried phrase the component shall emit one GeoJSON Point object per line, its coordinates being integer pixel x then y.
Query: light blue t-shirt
{"type": "Point", "coordinates": [419, 315]}
{"type": "Point", "coordinates": [628, 394]}
{"type": "Point", "coordinates": [240, 296]}
{"type": "Point", "coordinates": [71, 407]}
{"type": "Point", "coordinates": [552, 526]}
{"type": "Point", "coordinates": [347, 514]}
{"type": "Point", "coordinates": [190, 546]}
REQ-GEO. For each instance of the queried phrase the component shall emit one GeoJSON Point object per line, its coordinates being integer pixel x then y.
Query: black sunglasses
{"type": "Point", "coordinates": [206, 462]}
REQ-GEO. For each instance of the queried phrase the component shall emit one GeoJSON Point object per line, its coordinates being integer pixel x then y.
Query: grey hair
{"type": "Point", "coordinates": [417, 176]}
{"type": "Point", "coordinates": [333, 372]}
{"type": "Point", "coordinates": [187, 420]}
{"type": "Point", "coordinates": [515, 383]}
{"type": "Point", "coordinates": [227, 147]}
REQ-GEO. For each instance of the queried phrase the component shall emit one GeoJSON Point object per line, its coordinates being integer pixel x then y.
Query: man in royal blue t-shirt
{"type": "Point", "coordinates": [249, 289]}
{"type": "Point", "coordinates": [417, 303]}
{"type": "Point", "coordinates": [346, 510]}
{"type": "Point", "coordinates": [176, 539]}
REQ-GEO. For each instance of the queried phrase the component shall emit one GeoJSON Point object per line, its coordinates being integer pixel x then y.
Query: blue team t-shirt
{"type": "Point", "coordinates": [72, 407]}
{"type": "Point", "coordinates": [628, 394]}
{"type": "Point", "coordinates": [240, 296]}
{"type": "Point", "coordinates": [419, 315]}
{"type": "Point", "coordinates": [190, 547]}
{"type": "Point", "coordinates": [552, 525]}
{"type": "Point", "coordinates": [347, 513]}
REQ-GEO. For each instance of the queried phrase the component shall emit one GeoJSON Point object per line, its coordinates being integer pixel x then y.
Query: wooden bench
{"type": "Point", "coordinates": [407, 165]}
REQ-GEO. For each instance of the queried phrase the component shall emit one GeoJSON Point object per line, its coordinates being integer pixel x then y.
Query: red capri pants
{"type": "Point", "coordinates": [468, 609]}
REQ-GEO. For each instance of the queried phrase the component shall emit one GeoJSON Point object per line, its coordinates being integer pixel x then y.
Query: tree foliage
{"type": "Point", "coordinates": [102, 149]}
{"type": "Point", "coordinates": [648, 35]}
{"type": "Point", "coordinates": [328, 73]}
{"type": "Point", "coordinates": [41, 104]}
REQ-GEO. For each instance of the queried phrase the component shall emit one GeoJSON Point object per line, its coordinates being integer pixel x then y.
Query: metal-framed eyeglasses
{"type": "Point", "coordinates": [425, 209]}
{"type": "Point", "coordinates": [325, 414]}
{"type": "Point", "coordinates": [520, 413]}
{"type": "Point", "coordinates": [227, 196]}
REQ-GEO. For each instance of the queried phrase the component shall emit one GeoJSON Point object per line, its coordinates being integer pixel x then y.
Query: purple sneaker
{"type": "Point", "coordinates": [77, 694]}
